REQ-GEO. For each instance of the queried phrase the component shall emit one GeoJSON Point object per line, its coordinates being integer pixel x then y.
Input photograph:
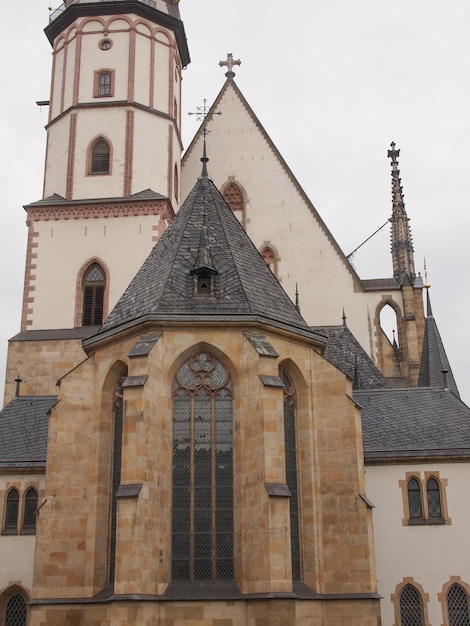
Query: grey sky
{"type": "Point", "coordinates": [333, 83]}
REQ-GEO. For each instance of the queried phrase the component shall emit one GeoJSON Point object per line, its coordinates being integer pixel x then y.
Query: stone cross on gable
{"type": "Point", "coordinates": [229, 63]}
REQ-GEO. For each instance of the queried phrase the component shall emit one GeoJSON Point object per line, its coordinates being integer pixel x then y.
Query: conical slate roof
{"type": "Point", "coordinates": [244, 288]}
{"type": "Point", "coordinates": [434, 358]}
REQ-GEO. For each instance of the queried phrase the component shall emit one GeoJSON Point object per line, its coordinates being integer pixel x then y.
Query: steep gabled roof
{"type": "Point", "coordinates": [346, 353]}
{"type": "Point", "coordinates": [244, 287]}
{"type": "Point", "coordinates": [23, 431]}
{"type": "Point", "coordinates": [434, 358]}
{"type": "Point", "coordinates": [230, 84]}
{"type": "Point", "coordinates": [415, 423]}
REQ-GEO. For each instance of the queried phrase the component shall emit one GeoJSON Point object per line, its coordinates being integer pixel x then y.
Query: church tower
{"type": "Point", "coordinates": [112, 169]}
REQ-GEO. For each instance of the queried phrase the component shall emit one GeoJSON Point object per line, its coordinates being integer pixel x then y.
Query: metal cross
{"type": "Point", "coordinates": [229, 63]}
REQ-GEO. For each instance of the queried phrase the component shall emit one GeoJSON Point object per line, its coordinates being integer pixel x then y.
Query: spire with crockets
{"type": "Point", "coordinates": [402, 244]}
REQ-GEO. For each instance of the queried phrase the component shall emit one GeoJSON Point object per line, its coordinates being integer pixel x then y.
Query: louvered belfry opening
{"type": "Point", "coordinates": [202, 522]}
{"type": "Point", "coordinates": [100, 156]}
{"type": "Point", "coordinates": [93, 296]}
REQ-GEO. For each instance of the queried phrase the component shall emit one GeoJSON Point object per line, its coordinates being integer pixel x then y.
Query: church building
{"type": "Point", "coordinates": [205, 421]}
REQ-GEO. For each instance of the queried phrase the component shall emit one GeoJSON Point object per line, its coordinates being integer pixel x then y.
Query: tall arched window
{"type": "Point", "coordinates": [93, 295]}
{"type": "Point", "coordinates": [202, 522]}
{"type": "Point", "coordinates": [15, 610]}
{"type": "Point", "coordinates": [458, 612]}
{"type": "Point", "coordinates": [118, 413]}
{"type": "Point", "coordinates": [10, 525]}
{"type": "Point", "coordinates": [234, 197]}
{"type": "Point", "coordinates": [100, 157]}
{"type": "Point", "coordinates": [433, 494]}
{"type": "Point", "coordinates": [415, 501]}
{"type": "Point", "coordinates": [290, 438]}
{"type": "Point", "coordinates": [29, 512]}
{"type": "Point", "coordinates": [411, 607]}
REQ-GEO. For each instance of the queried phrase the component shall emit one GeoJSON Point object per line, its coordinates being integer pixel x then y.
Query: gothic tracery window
{"type": "Point", "coordinates": [433, 495]}
{"type": "Point", "coordinates": [29, 512]}
{"type": "Point", "coordinates": [202, 515]}
{"type": "Point", "coordinates": [415, 502]}
{"type": "Point", "coordinates": [234, 197]}
{"type": "Point", "coordinates": [10, 525]}
{"type": "Point", "coordinates": [290, 438]}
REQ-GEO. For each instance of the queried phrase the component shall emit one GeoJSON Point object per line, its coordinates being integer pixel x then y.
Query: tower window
{"type": "Point", "coordinates": [93, 296]}
{"type": "Point", "coordinates": [103, 85]}
{"type": "Point", "coordinates": [100, 157]}
{"type": "Point", "coordinates": [202, 525]}
{"type": "Point", "coordinates": [10, 526]}
{"type": "Point", "coordinates": [105, 44]}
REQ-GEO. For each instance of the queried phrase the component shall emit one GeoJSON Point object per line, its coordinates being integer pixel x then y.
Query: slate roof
{"type": "Point", "coordinates": [23, 431]}
{"type": "Point", "coordinates": [413, 423]}
{"type": "Point", "coordinates": [434, 358]}
{"type": "Point", "coordinates": [346, 353]}
{"type": "Point", "coordinates": [245, 288]}
{"type": "Point", "coordinates": [56, 199]}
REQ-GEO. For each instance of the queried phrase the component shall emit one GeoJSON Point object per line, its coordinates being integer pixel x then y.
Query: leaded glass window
{"type": "Point", "coordinates": [434, 498]}
{"type": "Point", "coordinates": [290, 438]}
{"type": "Point", "coordinates": [93, 295]}
{"type": "Point", "coordinates": [118, 412]}
{"type": "Point", "coordinates": [15, 611]}
{"type": "Point", "coordinates": [414, 499]}
{"type": "Point", "coordinates": [30, 507]}
{"type": "Point", "coordinates": [104, 84]}
{"type": "Point", "coordinates": [11, 512]}
{"type": "Point", "coordinates": [457, 606]}
{"type": "Point", "coordinates": [411, 607]}
{"type": "Point", "coordinates": [202, 514]}
{"type": "Point", "coordinates": [100, 157]}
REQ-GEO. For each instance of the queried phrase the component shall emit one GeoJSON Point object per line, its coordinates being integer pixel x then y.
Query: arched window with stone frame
{"type": "Point", "coordinates": [290, 447]}
{"type": "Point", "coordinates": [99, 156]}
{"type": "Point", "coordinates": [411, 606]}
{"type": "Point", "coordinates": [433, 497]}
{"type": "Point", "coordinates": [235, 197]}
{"type": "Point", "coordinates": [30, 505]}
{"type": "Point", "coordinates": [415, 499]}
{"type": "Point", "coordinates": [12, 507]}
{"type": "Point", "coordinates": [458, 609]}
{"type": "Point", "coordinates": [270, 256]}
{"type": "Point", "coordinates": [202, 500]}
{"type": "Point", "coordinates": [13, 607]}
{"type": "Point", "coordinates": [94, 283]}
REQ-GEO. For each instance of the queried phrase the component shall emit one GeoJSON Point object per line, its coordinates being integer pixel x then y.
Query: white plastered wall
{"type": "Point", "coordinates": [419, 552]}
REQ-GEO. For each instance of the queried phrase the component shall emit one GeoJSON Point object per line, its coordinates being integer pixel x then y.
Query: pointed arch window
{"type": "Point", "coordinates": [94, 283]}
{"type": "Point", "coordinates": [411, 607]}
{"type": "Point", "coordinates": [458, 612]}
{"type": "Point", "coordinates": [15, 611]}
{"type": "Point", "coordinates": [12, 505]}
{"type": "Point", "coordinates": [270, 257]}
{"type": "Point", "coordinates": [234, 197]}
{"type": "Point", "coordinates": [415, 501]}
{"type": "Point", "coordinates": [290, 438]}
{"type": "Point", "coordinates": [29, 511]}
{"type": "Point", "coordinates": [202, 514]}
{"type": "Point", "coordinates": [118, 414]}
{"type": "Point", "coordinates": [100, 157]}
{"type": "Point", "coordinates": [433, 494]}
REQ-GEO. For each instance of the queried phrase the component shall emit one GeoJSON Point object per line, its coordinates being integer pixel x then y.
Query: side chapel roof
{"type": "Point", "coordinates": [23, 431]}
{"type": "Point", "coordinates": [244, 287]}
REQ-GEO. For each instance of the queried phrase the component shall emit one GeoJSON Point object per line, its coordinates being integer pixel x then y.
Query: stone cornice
{"type": "Point", "coordinates": [99, 209]}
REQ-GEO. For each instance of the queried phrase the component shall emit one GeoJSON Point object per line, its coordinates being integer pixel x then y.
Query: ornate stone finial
{"type": "Point", "coordinates": [344, 318]}
{"type": "Point", "coordinates": [402, 243]}
{"type": "Point", "coordinates": [297, 301]}
{"type": "Point", "coordinates": [229, 63]}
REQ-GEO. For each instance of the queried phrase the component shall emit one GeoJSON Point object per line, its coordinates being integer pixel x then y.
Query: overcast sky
{"type": "Point", "coordinates": [333, 83]}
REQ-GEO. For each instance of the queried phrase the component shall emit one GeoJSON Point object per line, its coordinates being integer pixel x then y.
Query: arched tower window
{"type": "Point", "coordinates": [415, 500]}
{"type": "Point", "coordinates": [290, 438]}
{"type": "Point", "coordinates": [235, 199]}
{"type": "Point", "coordinates": [94, 283]}
{"type": "Point", "coordinates": [12, 505]}
{"type": "Point", "coordinates": [458, 612]}
{"type": "Point", "coordinates": [433, 494]}
{"type": "Point", "coordinates": [118, 413]}
{"type": "Point", "coordinates": [100, 157]}
{"type": "Point", "coordinates": [202, 522]}
{"type": "Point", "coordinates": [15, 610]}
{"type": "Point", "coordinates": [411, 607]}
{"type": "Point", "coordinates": [29, 512]}
{"type": "Point", "coordinates": [270, 257]}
